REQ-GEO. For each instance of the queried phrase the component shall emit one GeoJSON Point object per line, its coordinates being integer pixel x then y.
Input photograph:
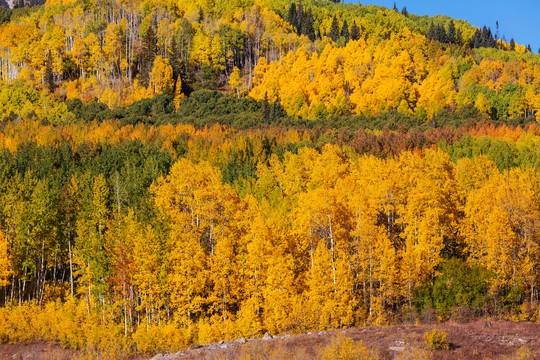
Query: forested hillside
{"type": "Point", "coordinates": [183, 171]}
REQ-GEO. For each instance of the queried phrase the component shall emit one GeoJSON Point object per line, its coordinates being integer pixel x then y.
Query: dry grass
{"type": "Point", "coordinates": [474, 340]}
{"type": "Point", "coordinates": [471, 341]}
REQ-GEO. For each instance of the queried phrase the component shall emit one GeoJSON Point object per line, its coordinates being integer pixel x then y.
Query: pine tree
{"type": "Point", "coordinates": [404, 11]}
{"type": "Point", "coordinates": [512, 44]}
{"type": "Point", "coordinates": [355, 31]}
{"type": "Point", "coordinates": [431, 32]}
{"type": "Point", "coordinates": [307, 26]}
{"type": "Point", "coordinates": [299, 18]}
{"type": "Point", "coordinates": [441, 34]}
{"type": "Point", "coordinates": [148, 55]}
{"type": "Point", "coordinates": [174, 58]}
{"type": "Point", "coordinates": [345, 30]}
{"type": "Point", "coordinates": [49, 75]}
{"type": "Point", "coordinates": [334, 30]}
{"type": "Point", "coordinates": [395, 7]}
{"type": "Point", "coordinates": [292, 17]}
{"type": "Point", "coordinates": [459, 37]}
{"type": "Point", "coordinates": [266, 108]}
{"type": "Point", "coordinates": [451, 34]}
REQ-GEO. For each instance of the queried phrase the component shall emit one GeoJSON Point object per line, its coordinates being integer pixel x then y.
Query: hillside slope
{"type": "Point", "coordinates": [315, 58]}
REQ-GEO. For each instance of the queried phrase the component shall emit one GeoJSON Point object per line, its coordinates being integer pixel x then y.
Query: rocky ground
{"type": "Point", "coordinates": [471, 341]}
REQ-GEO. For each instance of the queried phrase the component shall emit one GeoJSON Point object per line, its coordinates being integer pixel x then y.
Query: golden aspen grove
{"type": "Point", "coordinates": [180, 172]}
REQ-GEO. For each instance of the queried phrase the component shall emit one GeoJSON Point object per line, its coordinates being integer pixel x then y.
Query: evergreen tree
{"type": "Point", "coordinates": [355, 31]}
{"type": "Point", "coordinates": [148, 55]}
{"type": "Point", "coordinates": [431, 32]}
{"type": "Point", "coordinates": [307, 26]}
{"type": "Point", "coordinates": [529, 48]}
{"type": "Point", "coordinates": [451, 34]}
{"type": "Point", "coordinates": [459, 37]}
{"type": "Point", "coordinates": [299, 18]}
{"type": "Point", "coordinates": [174, 58]}
{"type": "Point", "coordinates": [395, 7]}
{"type": "Point", "coordinates": [345, 30]}
{"type": "Point", "coordinates": [266, 108]}
{"type": "Point", "coordinates": [512, 44]}
{"type": "Point", "coordinates": [49, 75]}
{"type": "Point", "coordinates": [334, 30]}
{"type": "Point", "coordinates": [441, 34]}
{"type": "Point", "coordinates": [475, 40]}
{"type": "Point", "coordinates": [404, 11]}
{"type": "Point", "coordinates": [292, 17]}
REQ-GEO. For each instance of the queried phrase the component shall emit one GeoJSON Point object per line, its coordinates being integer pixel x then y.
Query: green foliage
{"type": "Point", "coordinates": [460, 283]}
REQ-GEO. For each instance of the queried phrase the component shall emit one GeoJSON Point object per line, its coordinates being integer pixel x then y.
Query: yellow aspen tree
{"type": "Point", "coordinates": [5, 261]}
{"type": "Point", "coordinates": [429, 216]}
{"type": "Point", "coordinates": [373, 255]}
{"type": "Point", "coordinates": [178, 95]}
{"type": "Point", "coordinates": [501, 229]}
{"type": "Point", "coordinates": [235, 81]}
{"type": "Point", "coordinates": [161, 76]}
{"type": "Point", "coordinates": [202, 216]}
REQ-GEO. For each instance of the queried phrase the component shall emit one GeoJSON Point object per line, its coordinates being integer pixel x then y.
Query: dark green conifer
{"type": "Point", "coordinates": [292, 17]}
{"type": "Point", "coordinates": [49, 75]}
{"type": "Point", "coordinates": [266, 107]}
{"type": "Point", "coordinates": [345, 30]}
{"type": "Point", "coordinates": [299, 18]}
{"type": "Point", "coordinates": [451, 34]}
{"type": "Point", "coordinates": [404, 11]}
{"type": "Point", "coordinates": [355, 31]}
{"type": "Point", "coordinates": [334, 30]}
{"type": "Point", "coordinates": [148, 55]}
{"type": "Point", "coordinates": [307, 26]}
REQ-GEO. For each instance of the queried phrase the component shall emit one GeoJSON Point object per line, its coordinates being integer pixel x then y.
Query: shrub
{"type": "Point", "coordinates": [436, 339]}
{"type": "Point", "coordinates": [344, 348]}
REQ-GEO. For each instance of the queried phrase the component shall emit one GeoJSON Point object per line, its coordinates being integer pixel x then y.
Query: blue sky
{"type": "Point", "coordinates": [518, 19]}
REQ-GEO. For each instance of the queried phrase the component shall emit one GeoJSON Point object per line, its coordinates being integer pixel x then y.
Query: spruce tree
{"type": "Point", "coordinates": [451, 34]}
{"type": "Point", "coordinates": [299, 18]}
{"type": "Point", "coordinates": [148, 55]}
{"type": "Point", "coordinates": [345, 30]}
{"type": "Point", "coordinates": [476, 40]}
{"type": "Point", "coordinates": [292, 17]}
{"type": "Point", "coordinates": [49, 75]}
{"type": "Point", "coordinates": [355, 31]}
{"type": "Point", "coordinates": [395, 7]}
{"type": "Point", "coordinates": [334, 30]}
{"type": "Point", "coordinates": [404, 11]}
{"type": "Point", "coordinates": [459, 37]}
{"type": "Point", "coordinates": [266, 108]}
{"type": "Point", "coordinates": [441, 34]}
{"type": "Point", "coordinates": [174, 58]}
{"type": "Point", "coordinates": [512, 44]}
{"type": "Point", "coordinates": [431, 32]}
{"type": "Point", "coordinates": [307, 26]}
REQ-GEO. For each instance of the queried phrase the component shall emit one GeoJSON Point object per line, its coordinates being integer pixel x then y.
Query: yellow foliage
{"type": "Point", "coordinates": [5, 261]}
{"type": "Point", "coordinates": [344, 348]}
